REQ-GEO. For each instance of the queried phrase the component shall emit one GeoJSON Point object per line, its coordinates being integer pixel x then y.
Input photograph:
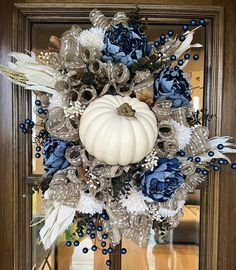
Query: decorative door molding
{"type": "Point", "coordinates": [25, 16]}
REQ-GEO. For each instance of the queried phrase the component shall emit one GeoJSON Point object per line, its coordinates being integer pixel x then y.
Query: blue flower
{"type": "Point", "coordinates": [161, 183]}
{"type": "Point", "coordinates": [124, 44]}
{"type": "Point", "coordinates": [54, 155]}
{"type": "Point", "coordinates": [172, 85]}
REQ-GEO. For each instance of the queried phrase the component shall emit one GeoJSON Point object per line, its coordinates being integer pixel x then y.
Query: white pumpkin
{"type": "Point", "coordinates": [117, 138]}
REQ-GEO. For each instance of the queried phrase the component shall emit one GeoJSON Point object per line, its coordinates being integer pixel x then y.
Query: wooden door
{"type": "Point", "coordinates": [218, 236]}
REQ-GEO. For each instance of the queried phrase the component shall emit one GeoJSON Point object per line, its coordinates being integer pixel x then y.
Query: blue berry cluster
{"type": "Point", "coordinates": [39, 108]}
{"type": "Point", "coordinates": [91, 231]}
{"type": "Point", "coordinates": [215, 164]}
{"type": "Point", "coordinates": [26, 126]}
{"type": "Point", "coordinates": [163, 38]}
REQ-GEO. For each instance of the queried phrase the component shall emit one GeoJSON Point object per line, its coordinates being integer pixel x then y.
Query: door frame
{"type": "Point", "coordinates": [25, 15]}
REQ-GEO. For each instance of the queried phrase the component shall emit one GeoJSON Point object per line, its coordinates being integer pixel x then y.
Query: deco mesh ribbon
{"type": "Point", "coordinates": [106, 95]}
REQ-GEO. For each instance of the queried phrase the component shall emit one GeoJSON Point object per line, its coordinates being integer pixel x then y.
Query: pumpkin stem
{"type": "Point", "coordinates": [126, 110]}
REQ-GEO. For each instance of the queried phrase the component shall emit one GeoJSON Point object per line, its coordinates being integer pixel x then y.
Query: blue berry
{"type": "Point", "coordinates": [108, 262]}
{"type": "Point", "coordinates": [205, 172]}
{"type": "Point", "coordinates": [221, 161]}
{"type": "Point", "coordinates": [185, 27]}
{"type": "Point", "coordinates": [37, 155]}
{"type": "Point", "coordinates": [182, 153]}
{"type": "Point", "coordinates": [202, 22]}
{"type": "Point", "coordinates": [24, 130]}
{"type": "Point", "coordinates": [180, 62]}
{"type": "Point", "coordinates": [187, 56]}
{"type": "Point", "coordinates": [85, 250]}
{"type": "Point", "coordinates": [21, 125]}
{"type": "Point", "coordinates": [216, 168]}
{"type": "Point", "coordinates": [233, 165]}
{"type": "Point", "coordinates": [220, 146]}
{"type": "Point", "coordinates": [76, 243]}
{"type": "Point", "coordinates": [193, 22]}
{"type": "Point", "coordinates": [68, 243]}
{"type": "Point", "coordinates": [45, 111]}
{"type": "Point", "coordinates": [181, 38]}
{"type": "Point", "coordinates": [190, 159]}
{"type": "Point", "coordinates": [195, 56]}
{"type": "Point", "coordinates": [27, 121]}
{"type": "Point", "coordinates": [170, 33]}
{"type": "Point", "coordinates": [211, 153]}
{"type": "Point", "coordinates": [110, 250]}
{"type": "Point", "coordinates": [99, 228]}
{"type": "Point", "coordinates": [163, 37]}
{"type": "Point", "coordinates": [38, 148]}
{"type": "Point", "coordinates": [104, 252]}
{"type": "Point", "coordinates": [104, 236]}
{"type": "Point", "coordinates": [94, 248]}
{"type": "Point", "coordinates": [176, 68]}
{"type": "Point", "coordinates": [211, 163]}
{"type": "Point", "coordinates": [157, 43]}
{"type": "Point", "coordinates": [197, 159]}
{"type": "Point", "coordinates": [92, 236]}
{"type": "Point", "coordinates": [103, 244]}
{"type": "Point", "coordinates": [40, 110]}
{"type": "Point", "coordinates": [173, 58]}
{"type": "Point", "coordinates": [93, 227]}
{"type": "Point", "coordinates": [198, 170]}
{"type": "Point", "coordinates": [123, 251]}
{"type": "Point", "coordinates": [103, 215]}
{"type": "Point", "coordinates": [90, 223]}
{"type": "Point", "coordinates": [80, 234]}
{"type": "Point", "coordinates": [88, 231]}
{"type": "Point", "coordinates": [225, 162]}
{"type": "Point", "coordinates": [31, 123]}
{"type": "Point", "coordinates": [37, 102]}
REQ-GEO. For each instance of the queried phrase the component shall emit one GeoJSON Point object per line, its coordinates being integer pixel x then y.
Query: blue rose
{"type": "Point", "coordinates": [124, 44]}
{"type": "Point", "coordinates": [161, 183]}
{"type": "Point", "coordinates": [54, 155]}
{"type": "Point", "coordinates": [172, 85]}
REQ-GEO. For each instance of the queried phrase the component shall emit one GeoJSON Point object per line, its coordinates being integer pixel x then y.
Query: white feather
{"type": "Point", "coordinates": [186, 44]}
{"type": "Point", "coordinates": [58, 220]}
{"type": "Point", "coordinates": [229, 148]}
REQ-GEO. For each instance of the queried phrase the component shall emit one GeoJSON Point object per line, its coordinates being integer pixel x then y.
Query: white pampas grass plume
{"type": "Point", "coordinates": [134, 203]}
{"type": "Point", "coordinates": [92, 37]}
{"type": "Point", "coordinates": [88, 204]}
{"type": "Point", "coordinates": [182, 134]}
{"type": "Point", "coordinates": [25, 71]}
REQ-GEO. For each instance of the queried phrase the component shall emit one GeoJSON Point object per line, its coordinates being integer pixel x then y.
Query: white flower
{"type": "Point", "coordinates": [165, 212]}
{"type": "Point", "coordinates": [88, 204]}
{"type": "Point", "coordinates": [182, 134]}
{"type": "Point", "coordinates": [134, 203]}
{"type": "Point", "coordinates": [150, 161]}
{"type": "Point", "coordinates": [74, 110]}
{"type": "Point", "coordinates": [92, 38]}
